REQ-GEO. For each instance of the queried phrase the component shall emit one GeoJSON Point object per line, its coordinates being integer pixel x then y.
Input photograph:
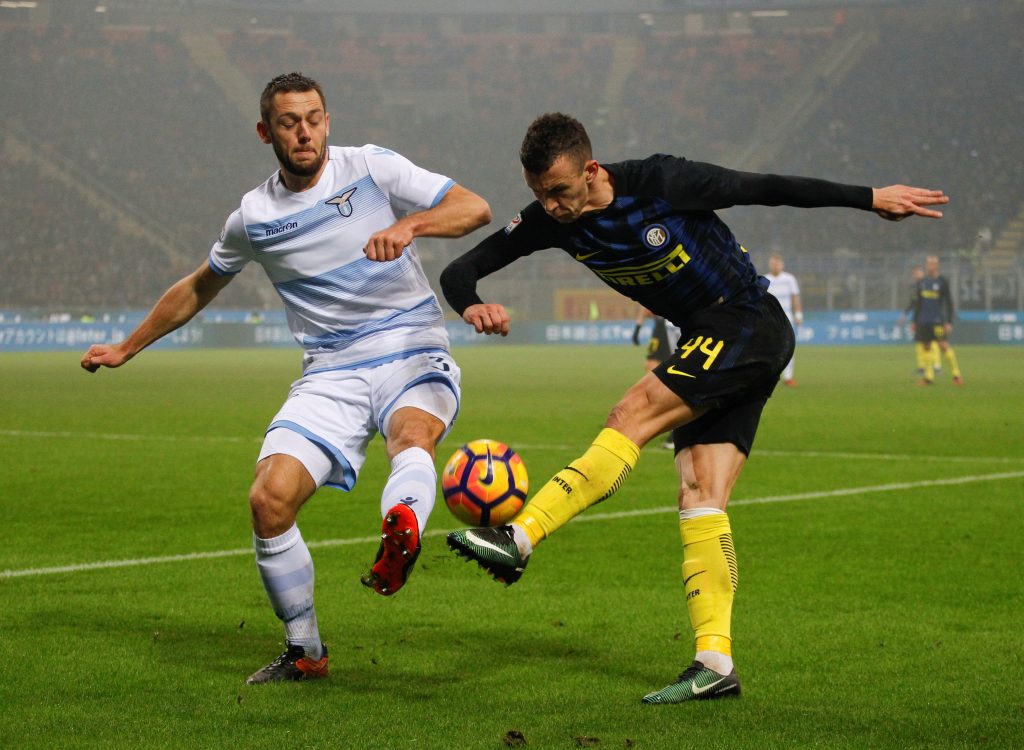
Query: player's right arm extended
{"type": "Point", "coordinates": [175, 308]}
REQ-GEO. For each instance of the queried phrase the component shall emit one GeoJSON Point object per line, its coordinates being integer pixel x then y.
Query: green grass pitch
{"type": "Point", "coordinates": [879, 528]}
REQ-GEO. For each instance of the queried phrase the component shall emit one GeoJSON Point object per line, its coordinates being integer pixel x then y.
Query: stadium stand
{"type": "Point", "coordinates": [147, 122]}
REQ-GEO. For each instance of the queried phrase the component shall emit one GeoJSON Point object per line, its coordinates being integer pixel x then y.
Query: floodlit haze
{"type": "Point", "coordinates": [129, 127]}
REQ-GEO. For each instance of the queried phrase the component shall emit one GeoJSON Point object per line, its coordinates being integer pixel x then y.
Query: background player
{"type": "Point", "coordinates": [784, 287]}
{"type": "Point", "coordinates": [664, 336]}
{"type": "Point", "coordinates": [648, 229]}
{"type": "Point", "coordinates": [333, 230]}
{"type": "Point", "coordinates": [932, 321]}
{"type": "Point", "coordinates": [933, 354]}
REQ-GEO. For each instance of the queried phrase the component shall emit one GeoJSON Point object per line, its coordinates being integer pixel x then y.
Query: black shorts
{"type": "Point", "coordinates": [729, 359]}
{"type": "Point", "coordinates": [736, 424]}
{"type": "Point", "coordinates": [659, 348]}
{"type": "Point", "coordinates": [926, 332]}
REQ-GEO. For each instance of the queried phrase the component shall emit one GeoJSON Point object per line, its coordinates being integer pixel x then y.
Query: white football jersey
{"type": "Point", "coordinates": [343, 309]}
{"type": "Point", "coordinates": [783, 287]}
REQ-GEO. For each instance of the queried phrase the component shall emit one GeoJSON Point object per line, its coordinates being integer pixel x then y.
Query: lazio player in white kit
{"type": "Point", "coordinates": [784, 287]}
{"type": "Point", "coordinates": [334, 231]}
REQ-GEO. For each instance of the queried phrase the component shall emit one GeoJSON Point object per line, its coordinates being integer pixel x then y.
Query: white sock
{"type": "Point", "coordinates": [286, 567]}
{"type": "Point", "coordinates": [413, 482]}
{"type": "Point", "coordinates": [715, 660]}
{"type": "Point", "coordinates": [689, 513]}
{"type": "Point", "coordinates": [787, 374]}
{"type": "Point", "coordinates": [522, 541]}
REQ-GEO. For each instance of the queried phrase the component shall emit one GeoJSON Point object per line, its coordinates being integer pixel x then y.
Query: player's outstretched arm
{"type": "Point", "coordinates": [897, 202]}
{"type": "Point", "coordinates": [175, 308]}
{"type": "Point", "coordinates": [487, 318]}
{"type": "Point", "coordinates": [460, 212]}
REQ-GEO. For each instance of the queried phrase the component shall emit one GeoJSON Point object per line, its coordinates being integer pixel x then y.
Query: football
{"type": "Point", "coordinates": [484, 483]}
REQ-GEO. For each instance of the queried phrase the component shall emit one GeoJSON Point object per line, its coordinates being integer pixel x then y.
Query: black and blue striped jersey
{"type": "Point", "coordinates": [659, 241]}
{"type": "Point", "coordinates": [932, 302]}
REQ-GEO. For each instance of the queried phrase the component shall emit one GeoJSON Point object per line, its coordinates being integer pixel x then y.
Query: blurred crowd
{"type": "Point", "coordinates": [129, 117]}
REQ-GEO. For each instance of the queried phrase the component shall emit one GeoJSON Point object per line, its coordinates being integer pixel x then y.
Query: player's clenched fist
{"type": "Point", "coordinates": [388, 244]}
{"type": "Point", "coordinates": [103, 355]}
{"type": "Point", "coordinates": [487, 318]}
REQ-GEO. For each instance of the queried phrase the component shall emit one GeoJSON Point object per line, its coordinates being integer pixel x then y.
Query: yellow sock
{"type": "Point", "coordinates": [951, 358]}
{"type": "Point", "coordinates": [589, 479]}
{"type": "Point", "coordinates": [710, 577]}
{"type": "Point", "coordinates": [920, 354]}
{"type": "Point", "coordinates": [936, 356]}
{"type": "Point", "coordinates": [925, 360]}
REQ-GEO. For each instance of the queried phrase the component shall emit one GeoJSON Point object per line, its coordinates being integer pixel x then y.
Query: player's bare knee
{"type": "Point", "coordinates": [685, 496]}
{"type": "Point", "coordinates": [413, 435]}
{"type": "Point", "coordinates": [272, 510]}
{"type": "Point", "coordinates": [623, 416]}
{"type": "Point", "coordinates": [412, 428]}
{"type": "Point", "coordinates": [690, 495]}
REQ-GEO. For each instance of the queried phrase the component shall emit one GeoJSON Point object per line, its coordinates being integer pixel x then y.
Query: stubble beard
{"type": "Point", "coordinates": [289, 166]}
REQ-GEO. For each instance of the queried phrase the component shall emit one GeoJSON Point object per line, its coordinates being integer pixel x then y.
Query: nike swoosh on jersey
{"type": "Point", "coordinates": [588, 255]}
{"type": "Point", "coordinates": [673, 371]}
{"type": "Point", "coordinates": [701, 691]}
{"type": "Point", "coordinates": [484, 543]}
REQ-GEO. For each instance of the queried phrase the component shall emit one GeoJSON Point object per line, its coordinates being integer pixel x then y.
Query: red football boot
{"type": "Point", "coordinates": [399, 548]}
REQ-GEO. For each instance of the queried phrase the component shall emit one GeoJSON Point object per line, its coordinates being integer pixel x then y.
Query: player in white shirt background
{"type": "Point", "coordinates": [784, 287]}
{"type": "Point", "coordinates": [334, 231]}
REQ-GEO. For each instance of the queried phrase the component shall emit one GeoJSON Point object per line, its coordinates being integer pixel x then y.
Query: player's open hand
{"type": "Point", "coordinates": [388, 244]}
{"type": "Point", "coordinates": [103, 355]}
{"type": "Point", "coordinates": [897, 202]}
{"type": "Point", "coordinates": [487, 318]}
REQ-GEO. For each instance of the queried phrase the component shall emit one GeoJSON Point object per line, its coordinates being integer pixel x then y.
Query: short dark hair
{"type": "Point", "coordinates": [552, 135]}
{"type": "Point", "coordinates": [287, 83]}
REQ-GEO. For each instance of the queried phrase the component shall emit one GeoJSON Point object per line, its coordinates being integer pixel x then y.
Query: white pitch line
{"type": "Point", "coordinates": [891, 487]}
{"type": "Point", "coordinates": [518, 446]}
{"type": "Point", "coordinates": [890, 456]}
{"type": "Point", "coordinates": [140, 561]}
{"type": "Point", "coordinates": [129, 437]}
{"type": "Point", "coordinates": [836, 454]}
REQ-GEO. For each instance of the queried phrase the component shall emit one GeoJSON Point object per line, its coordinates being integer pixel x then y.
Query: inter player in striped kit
{"type": "Point", "coordinates": [664, 335]}
{"type": "Point", "coordinates": [783, 286]}
{"type": "Point", "coordinates": [648, 229]}
{"type": "Point", "coordinates": [334, 231]}
{"type": "Point", "coordinates": [932, 321]}
{"type": "Point", "coordinates": [924, 358]}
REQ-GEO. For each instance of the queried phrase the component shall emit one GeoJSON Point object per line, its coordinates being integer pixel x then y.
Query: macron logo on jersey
{"type": "Point", "coordinates": [343, 202]}
{"type": "Point", "coordinates": [286, 227]}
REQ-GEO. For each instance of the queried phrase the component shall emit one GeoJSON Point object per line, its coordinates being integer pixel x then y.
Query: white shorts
{"type": "Point", "coordinates": [330, 417]}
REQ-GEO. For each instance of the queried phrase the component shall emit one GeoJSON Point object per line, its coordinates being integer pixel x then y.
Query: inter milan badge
{"type": "Point", "coordinates": [343, 202]}
{"type": "Point", "coordinates": [655, 236]}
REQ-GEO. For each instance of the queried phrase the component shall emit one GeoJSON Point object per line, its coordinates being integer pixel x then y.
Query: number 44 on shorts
{"type": "Point", "coordinates": [705, 345]}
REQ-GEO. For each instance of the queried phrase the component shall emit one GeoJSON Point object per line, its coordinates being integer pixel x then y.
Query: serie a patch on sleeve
{"type": "Point", "coordinates": [516, 221]}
